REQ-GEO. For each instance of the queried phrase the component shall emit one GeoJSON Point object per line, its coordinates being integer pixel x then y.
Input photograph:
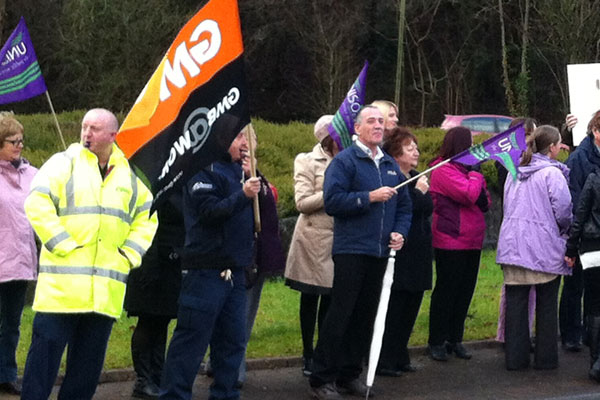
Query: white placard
{"type": "Point", "coordinates": [584, 95]}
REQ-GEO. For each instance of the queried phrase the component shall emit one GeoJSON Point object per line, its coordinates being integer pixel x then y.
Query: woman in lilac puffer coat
{"type": "Point", "coordinates": [531, 248]}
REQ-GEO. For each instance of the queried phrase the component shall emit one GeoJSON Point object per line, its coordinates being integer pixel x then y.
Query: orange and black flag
{"type": "Point", "coordinates": [194, 104]}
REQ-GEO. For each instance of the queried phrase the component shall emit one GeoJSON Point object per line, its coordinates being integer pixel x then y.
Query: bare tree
{"type": "Point", "coordinates": [400, 52]}
{"type": "Point", "coordinates": [569, 33]}
{"type": "Point", "coordinates": [518, 104]}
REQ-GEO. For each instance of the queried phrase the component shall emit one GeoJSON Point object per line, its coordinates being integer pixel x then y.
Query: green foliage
{"type": "Point", "coordinates": [278, 145]}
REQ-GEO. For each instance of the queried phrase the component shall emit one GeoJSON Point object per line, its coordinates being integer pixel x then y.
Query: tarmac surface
{"type": "Point", "coordinates": [482, 377]}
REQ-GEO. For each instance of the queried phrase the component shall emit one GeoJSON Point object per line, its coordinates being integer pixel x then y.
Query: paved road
{"type": "Point", "coordinates": [483, 377]}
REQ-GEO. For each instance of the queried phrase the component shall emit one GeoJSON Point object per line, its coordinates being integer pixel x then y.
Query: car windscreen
{"type": "Point", "coordinates": [480, 124]}
{"type": "Point", "coordinates": [503, 124]}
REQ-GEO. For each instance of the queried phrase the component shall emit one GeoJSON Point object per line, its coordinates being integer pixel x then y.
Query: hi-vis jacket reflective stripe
{"type": "Point", "coordinates": [93, 231]}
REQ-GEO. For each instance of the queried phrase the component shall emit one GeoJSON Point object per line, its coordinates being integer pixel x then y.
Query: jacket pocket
{"type": "Point", "coordinates": [448, 215]}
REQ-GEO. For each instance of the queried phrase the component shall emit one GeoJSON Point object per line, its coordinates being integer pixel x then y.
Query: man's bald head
{"type": "Point", "coordinates": [98, 131]}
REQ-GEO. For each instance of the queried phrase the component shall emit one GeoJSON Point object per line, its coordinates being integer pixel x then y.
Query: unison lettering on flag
{"type": "Point", "coordinates": [505, 147]}
{"type": "Point", "coordinates": [341, 128]}
{"type": "Point", "coordinates": [194, 104]}
{"type": "Point", "coordinates": [20, 74]}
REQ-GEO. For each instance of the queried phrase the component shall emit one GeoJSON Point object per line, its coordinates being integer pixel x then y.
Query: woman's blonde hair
{"type": "Point", "coordinates": [384, 106]}
{"type": "Point", "coordinates": [9, 126]}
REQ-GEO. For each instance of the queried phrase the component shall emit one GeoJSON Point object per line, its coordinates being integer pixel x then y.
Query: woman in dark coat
{"type": "Point", "coordinates": [152, 293]}
{"type": "Point", "coordinates": [412, 273]}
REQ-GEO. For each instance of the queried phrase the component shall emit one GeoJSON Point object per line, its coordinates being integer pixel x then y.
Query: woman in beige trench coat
{"type": "Point", "coordinates": [309, 267]}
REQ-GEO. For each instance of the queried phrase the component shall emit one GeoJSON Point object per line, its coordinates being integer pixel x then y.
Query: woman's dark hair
{"type": "Point", "coordinates": [456, 140]}
{"type": "Point", "coordinates": [528, 123]}
{"type": "Point", "coordinates": [327, 143]}
{"type": "Point", "coordinates": [594, 123]}
{"type": "Point", "coordinates": [539, 142]}
{"type": "Point", "coordinates": [397, 138]}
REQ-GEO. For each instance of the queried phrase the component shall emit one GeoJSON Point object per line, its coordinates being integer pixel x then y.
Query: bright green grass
{"type": "Point", "coordinates": [277, 328]}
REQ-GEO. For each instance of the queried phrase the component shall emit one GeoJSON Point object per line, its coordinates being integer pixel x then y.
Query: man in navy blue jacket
{"type": "Point", "coordinates": [219, 238]}
{"type": "Point", "coordinates": [582, 162]}
{"type": "Point", "coordinates": [370, 217]}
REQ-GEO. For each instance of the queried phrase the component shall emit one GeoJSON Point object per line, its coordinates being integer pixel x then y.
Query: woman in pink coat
{"type": "Point", "coordinates": [460, 199]}
{"type": "Point", "coordinates": [18, 255]}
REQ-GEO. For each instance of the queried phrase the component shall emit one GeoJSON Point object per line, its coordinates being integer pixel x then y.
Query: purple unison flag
{"type": "Point", "coordinates": [505, 147]}
{"type": "Point", "coordinates": [341, 128]}
{"type": "Point", "coordinates": [20, 74]}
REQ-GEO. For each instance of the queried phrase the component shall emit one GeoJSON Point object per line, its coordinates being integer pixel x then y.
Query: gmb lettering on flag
{"type": "Point", "coordinates": [505, 147]}
{"type": "Point", "coordinates": [20, 74]}
{"type": "Point", "coordinates": [194, 104]}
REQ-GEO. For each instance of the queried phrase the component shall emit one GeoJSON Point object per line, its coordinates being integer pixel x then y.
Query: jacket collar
{"type": "Point", "coordinates": [361, 154]}
{"type": "Point", "coordinates": [589, 148]}
{"type": "Point", "coordinates": [319, 152]}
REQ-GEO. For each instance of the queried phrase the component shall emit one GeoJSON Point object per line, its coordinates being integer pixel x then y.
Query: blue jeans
{"type": "Point", "coordinates": [252, 304]}
{"type": "Point", "coordinates": [12, 299]}
{"type": "Point", "coordinates": [210, 311]}
{"type": "Point", "coordinates": [87, 336]}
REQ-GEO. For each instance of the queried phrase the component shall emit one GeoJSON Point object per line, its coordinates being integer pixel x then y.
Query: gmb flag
{"type": "Point", "coordinates": [505, 147]}
{"type": "Point", "coordinates": [194, 104]}
{"type": "Point", "coordinates": [20, 74]}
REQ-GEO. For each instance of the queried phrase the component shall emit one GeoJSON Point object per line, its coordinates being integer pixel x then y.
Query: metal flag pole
{"type": "Point", "coordinates": [56, 120]}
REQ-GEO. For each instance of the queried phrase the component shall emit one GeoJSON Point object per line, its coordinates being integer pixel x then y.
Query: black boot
{"type": "Point", "coordinates": [144, 386]}
{"type": "Point", "coordinates": [593, 334]}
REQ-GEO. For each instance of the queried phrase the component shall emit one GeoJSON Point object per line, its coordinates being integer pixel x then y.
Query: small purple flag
{"type": "Point", "coordinates": [505, 147]}
{"type": "Point", "coordinates": [341, 128]}
{"type": "Point", "coordinates": [20, 74]}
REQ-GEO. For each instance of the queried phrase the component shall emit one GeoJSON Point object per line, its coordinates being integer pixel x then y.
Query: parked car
{"type": "Point", "coordinates": [478, 123]}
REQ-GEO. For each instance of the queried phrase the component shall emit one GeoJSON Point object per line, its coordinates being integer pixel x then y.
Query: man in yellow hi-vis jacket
{"type": "Point", "coordinates": [91, 214]}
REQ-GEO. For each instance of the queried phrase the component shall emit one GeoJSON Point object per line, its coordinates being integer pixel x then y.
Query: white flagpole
{"type": "Point", "coordinates": [422, 173]}
{"type": "Point", "coordinates": [56, 120]}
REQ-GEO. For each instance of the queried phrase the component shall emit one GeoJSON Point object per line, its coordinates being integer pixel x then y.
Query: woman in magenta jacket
{"type": "Point", "coordinates": [460, 198]}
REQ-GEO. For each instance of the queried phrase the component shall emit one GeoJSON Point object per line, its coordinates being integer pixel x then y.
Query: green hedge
{"type": "Point", "coordinates": [278, 145]}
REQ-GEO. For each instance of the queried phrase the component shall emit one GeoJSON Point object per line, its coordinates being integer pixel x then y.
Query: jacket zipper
{"type": "Point", "coordinates": [382, 211]}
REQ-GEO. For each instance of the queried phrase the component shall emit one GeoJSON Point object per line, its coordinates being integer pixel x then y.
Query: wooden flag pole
{"type": "Point", "coordinates": [56, 120]}
{"type": "Point", "coordinates": [257, 225]}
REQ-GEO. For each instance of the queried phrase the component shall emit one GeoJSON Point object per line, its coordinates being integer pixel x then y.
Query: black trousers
{"type": "Point", "coordinates": [148, 344]}
{"type": "Point", "coordinates": [591, 280]}
{"type": "Point", "coordinates": [346, 333]}
{"type": "Point", "coordinates": [402, 313]}
{"type": "Point", "coordinates": [313, 308]}
{"type": "Point", "coordinates": [570, 306]}
{"type": "Point", "coordinates": [456, 276]}
{"type": "Point", "coordinates": [517, 326]}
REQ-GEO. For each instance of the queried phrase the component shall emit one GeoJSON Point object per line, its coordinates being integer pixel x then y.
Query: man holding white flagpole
{"type": "Point", "coordinates": [370, 218]}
